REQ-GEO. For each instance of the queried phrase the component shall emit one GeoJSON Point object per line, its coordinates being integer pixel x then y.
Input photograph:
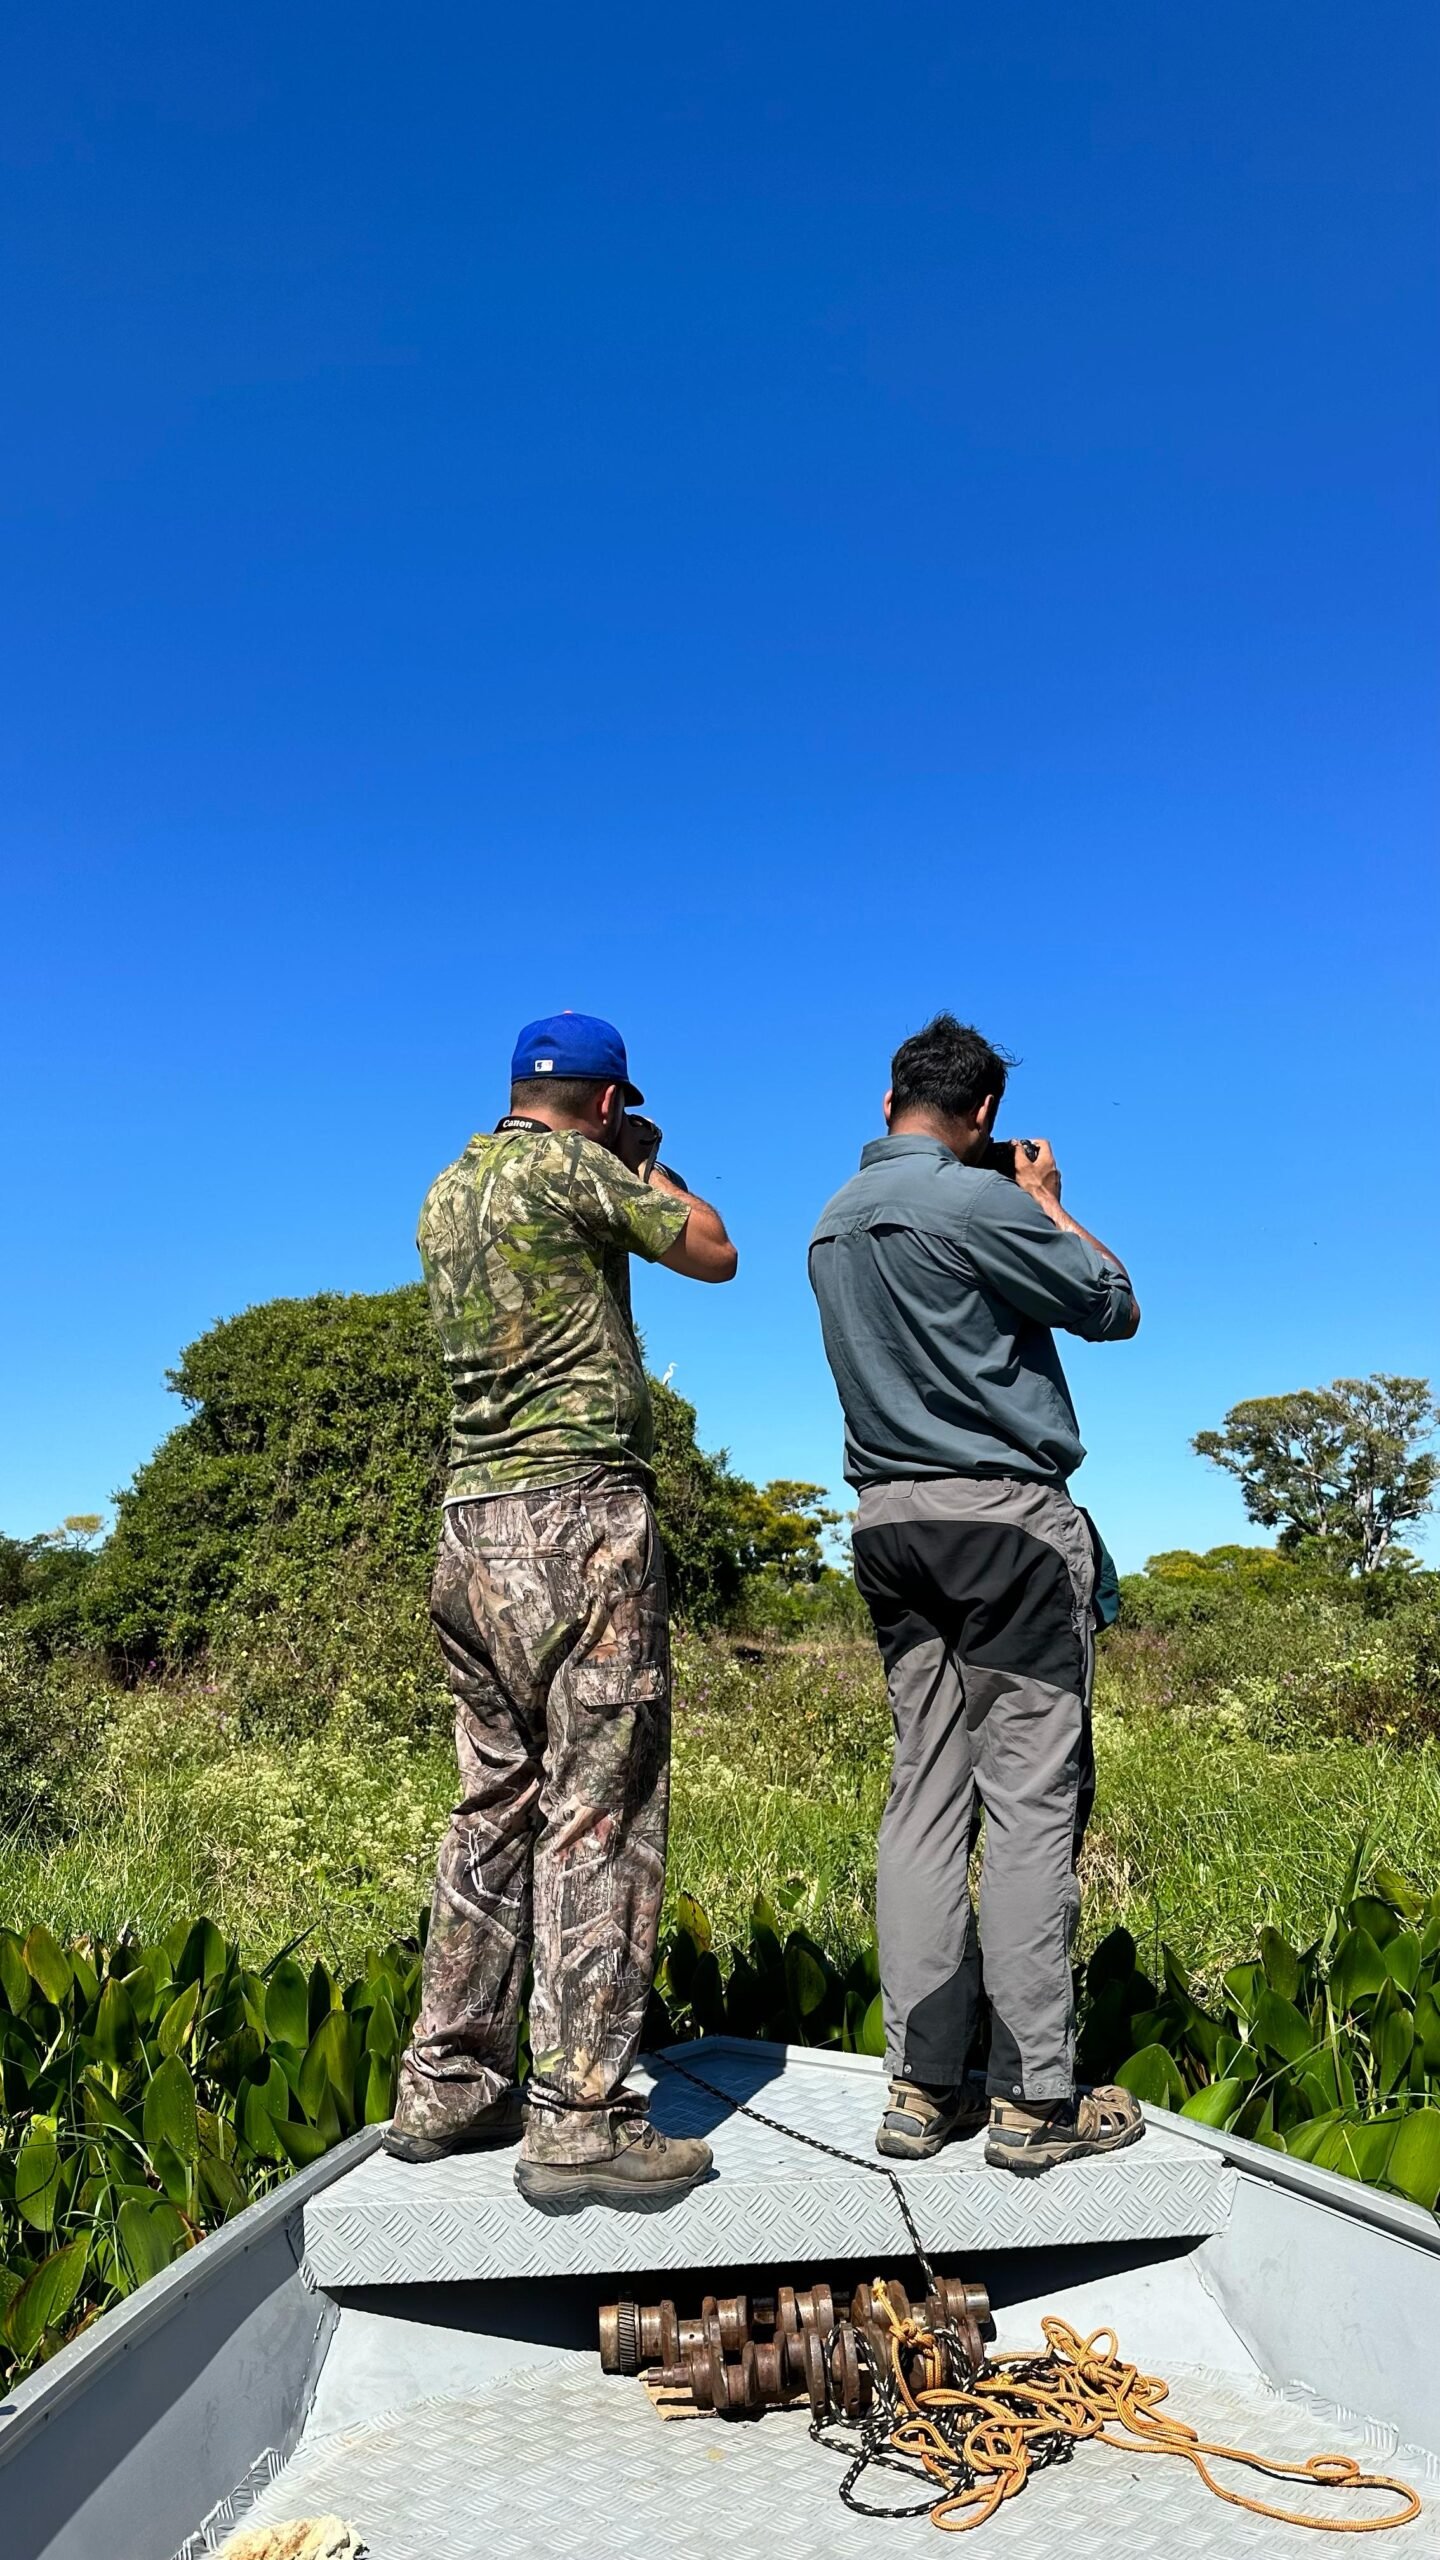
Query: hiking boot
{"type": "Point", "coordinates": [1027, 2139]}
{"type": "Point", "coordinates": [646, 2171]}
{"type": "Point", "coordinates": [501, 2122]}
{"type": "Point", "coordinates": [918, 2121]}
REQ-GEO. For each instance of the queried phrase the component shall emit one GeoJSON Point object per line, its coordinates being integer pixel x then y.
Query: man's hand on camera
{"type": "Point", "coordinates": [1035, 1166]}
{"type": "Point", "coordinates": [637, 1144]}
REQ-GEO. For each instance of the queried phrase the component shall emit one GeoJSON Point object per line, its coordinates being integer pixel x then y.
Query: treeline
{"type": "Point", "coordinates": [305, 1484]}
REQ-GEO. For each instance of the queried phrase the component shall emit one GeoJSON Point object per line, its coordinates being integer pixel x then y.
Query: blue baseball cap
{"type": "Point", "coordinates": [573, 1044]}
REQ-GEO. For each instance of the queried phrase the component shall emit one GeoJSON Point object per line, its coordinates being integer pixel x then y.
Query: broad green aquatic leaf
{"type": "Point", "coordinates": [1302, 2141]}
{"type": "Point", "coordinates": [1357, 1973]}
{"type": "Point", "coordinates": [1217, 2104]}
{"type": "Point", "coordinates": [329, 2064]}
{"type": "Point", "coordinates": [322, 1994]}
{"type": "Point", "coordinates": [805, 1978]}
{"type": "Point", "coordinates": [1281, 1963]}
{"type": "Point", "coordinates": [41, 2302]}
{"type": "Point", "coordinates": [382, 2036]}
{"type": "Point", "coordinates": [707, 1996]}
{"type": "Point", "coordinates": [150, 2236]}
{"type": "Point", "coordinates": [258, 2125]}
{"type": "Point", "coordinates": [287, 2005]}
{"type": "Point", "coordinates": [681, 1957]}
{"type": "Point", "coordinates": [179, 2018]}
{"type": "Point", "coordinates": [175, 2178]}
{"type": "Point", "coordinates": [303, 2143]}
{"type": "Point", "coordinates": [1393, 2047]}
{"type": "Point", "coordinates": [1414, 2162]}
{"type": "Point", "coordinates": [378, 2104]}
{"type": "Point", "coordinates": [871, 2038]}
{"type": "Point", "coordinates": [1394, 1889]}
{"type": "Point", "coordinates": [1151, 2075]}
{"type": "Point", "coordinates": [1316, 2089]}
{"type": "Point", "coordinates": [87, 1980]}
{"type": "Point", "coordinates": [1112, 1961]}
{"type": "Point", "coordinates": [1427, 2029]}
{"type": "Point", "coordinates": [1368, 1912]}
{"type": "Point", "coordinates": [203, 1957]}
{"type": "Point", "coordinates": [744, 1998]}
{"type": "Point", "coordinates": [48, 1966]}
{"type": "Point", "coordinates": [37, 2174]}
{"type": "Point", "coordinates": [694, 1921]}
{"type": "Point", "coordinates": [14, 1972]}
{"type": "Point", "coordinates": [169, 2113]}
{"type": "Point", "coordinates": [1401, 1958]}
{"type": "Point", "coordinates": [1243, 1982]}
{"type": "Point", "coordinates": [223, 2188]}
{"type": "Point", "coordinates": [1358, 2150]}
{"type": "Point", "coordinates": [252, 2000]}
{"type": "Point", "coordinates": [114, 2030]}
{"type": "Point", "coordinates": [104, 2112]}
{"type": "Point", "coordinates": [140, 1984]}
{"type": "Point", "coordinates": [1279, 2027]}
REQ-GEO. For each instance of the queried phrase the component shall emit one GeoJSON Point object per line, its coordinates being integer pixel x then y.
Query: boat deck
{"type": "Point", "coordinates": [557, 2459]}
{"type": "Point", "coordinates": [768, 2199]}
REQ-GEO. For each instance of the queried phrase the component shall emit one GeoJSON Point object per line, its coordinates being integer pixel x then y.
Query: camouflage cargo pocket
{"type": "Point", "coordinates": [624, 1656]}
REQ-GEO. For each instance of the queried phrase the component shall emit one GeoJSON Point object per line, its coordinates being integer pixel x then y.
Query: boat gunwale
{"type": "Point", "coordinates": [43, 2394]}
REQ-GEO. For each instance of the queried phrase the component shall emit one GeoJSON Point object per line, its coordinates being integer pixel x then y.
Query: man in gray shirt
{"type": "Point", "coordinates": [942, 1271]}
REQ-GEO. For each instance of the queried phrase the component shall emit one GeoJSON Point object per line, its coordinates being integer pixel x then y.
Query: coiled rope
{"type": "Point", "coordinates": [980, 2432]}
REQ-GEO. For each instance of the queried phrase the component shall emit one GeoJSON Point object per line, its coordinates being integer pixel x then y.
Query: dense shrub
{"type": "Point", "coordinates": [1261, 1647]}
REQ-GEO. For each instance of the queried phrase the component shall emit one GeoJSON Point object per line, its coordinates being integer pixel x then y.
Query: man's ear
{"type": "Point", "coordinates": [986, 1115]}
{"type": "Point", "coordinates": [610, 1103]}
{"type": "Point", "coordinates": [886, 1106]}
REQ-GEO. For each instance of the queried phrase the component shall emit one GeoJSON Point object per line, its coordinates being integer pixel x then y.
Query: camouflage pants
{"type": "Point", "coordinates": [551, 1613]}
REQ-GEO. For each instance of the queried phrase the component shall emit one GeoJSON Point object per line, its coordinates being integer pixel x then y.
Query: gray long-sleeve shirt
{"type": "Point", "coordinates": [939, 1284]}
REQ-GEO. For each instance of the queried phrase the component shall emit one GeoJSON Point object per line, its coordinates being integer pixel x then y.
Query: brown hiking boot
{"type": "Point", "coordinates": [918, 2121]}
{"type": "Point", "coordinates": [646, 2171]}
{"type": "Point", "coordinates": [501, 2122]}
{"type": "Point", "coordinates": [1027, 2139]}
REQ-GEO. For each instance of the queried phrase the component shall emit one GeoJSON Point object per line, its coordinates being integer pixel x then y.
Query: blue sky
{"type": "Point", "coordinates": [761, 523]}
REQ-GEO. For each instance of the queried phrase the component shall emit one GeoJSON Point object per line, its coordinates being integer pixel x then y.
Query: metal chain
{"type": "Point", "coordinates": [868, 2438]}
{"type": "Point", "coordinates": [812, 2142]}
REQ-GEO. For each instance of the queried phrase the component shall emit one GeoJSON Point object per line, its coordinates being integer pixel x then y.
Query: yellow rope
{"type": "Point", "coordinates": [1087, 2389]}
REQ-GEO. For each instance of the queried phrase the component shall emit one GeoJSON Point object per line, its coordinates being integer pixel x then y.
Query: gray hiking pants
{"type": "Point", "coordinates": [981, 1592]}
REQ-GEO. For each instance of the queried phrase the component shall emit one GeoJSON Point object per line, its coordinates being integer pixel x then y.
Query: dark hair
{"type": "Point", "coordinates": [947, 1068]}
{"type": "Point", "coordinates": [567, 1094]}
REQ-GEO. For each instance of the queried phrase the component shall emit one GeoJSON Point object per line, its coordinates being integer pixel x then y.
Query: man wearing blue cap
{"type": "Point", "coordinates": [549, 1602]}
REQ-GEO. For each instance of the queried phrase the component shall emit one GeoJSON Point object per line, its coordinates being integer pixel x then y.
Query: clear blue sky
{"type": "Point", "coordinates": [760, 522]}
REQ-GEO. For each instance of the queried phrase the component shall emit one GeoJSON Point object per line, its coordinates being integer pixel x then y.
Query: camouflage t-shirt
{"type": "Point", "coordinates": [525, 1242]}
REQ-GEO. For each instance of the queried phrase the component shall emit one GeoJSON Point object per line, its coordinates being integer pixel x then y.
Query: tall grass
{"type": "Point", "coordinates": [179, 1802]}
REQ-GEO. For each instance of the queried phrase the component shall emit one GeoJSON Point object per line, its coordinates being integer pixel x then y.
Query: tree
{"type": "Point", "coordinates": [306, 1482]}
{"type": "Point", "coordinates": [1338, 1469]}
{"type": "Point", "coordinates": [42, 1580]}
{"type": "Point", "coordinates": [785, 1525]}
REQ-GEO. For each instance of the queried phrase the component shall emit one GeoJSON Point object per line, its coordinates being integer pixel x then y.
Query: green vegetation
{"type": "Point", "coordinates": [234, 1706]}
{"type": "Point", "coordinates": [1331, 2052]}
{"type": "Point", "coordinates": [153, 2088]}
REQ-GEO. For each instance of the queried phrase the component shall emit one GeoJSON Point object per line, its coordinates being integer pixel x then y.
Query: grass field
{"type": "Point", "coordinates": [1200, 1833]}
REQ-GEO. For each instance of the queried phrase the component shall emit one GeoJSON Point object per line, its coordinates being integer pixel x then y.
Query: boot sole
{"type": "Point", "coordinates": [561, 2190]}
{"type": "Point", "coordinates": [1034, 2163]}
{"type": "Point", "coordinates": [421, 2150]}
{"type": "Point", "coordinates": [894, 2146]}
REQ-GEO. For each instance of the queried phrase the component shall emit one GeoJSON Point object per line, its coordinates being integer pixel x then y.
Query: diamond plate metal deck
{"type": "Point", "coordinates": [769, 2199]}
{"type": "Point", "coordinates": [554, 2462]}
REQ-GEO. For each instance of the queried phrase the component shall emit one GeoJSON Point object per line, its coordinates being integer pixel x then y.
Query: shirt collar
{"type": "Point", "coordinates": [911, 1142]}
